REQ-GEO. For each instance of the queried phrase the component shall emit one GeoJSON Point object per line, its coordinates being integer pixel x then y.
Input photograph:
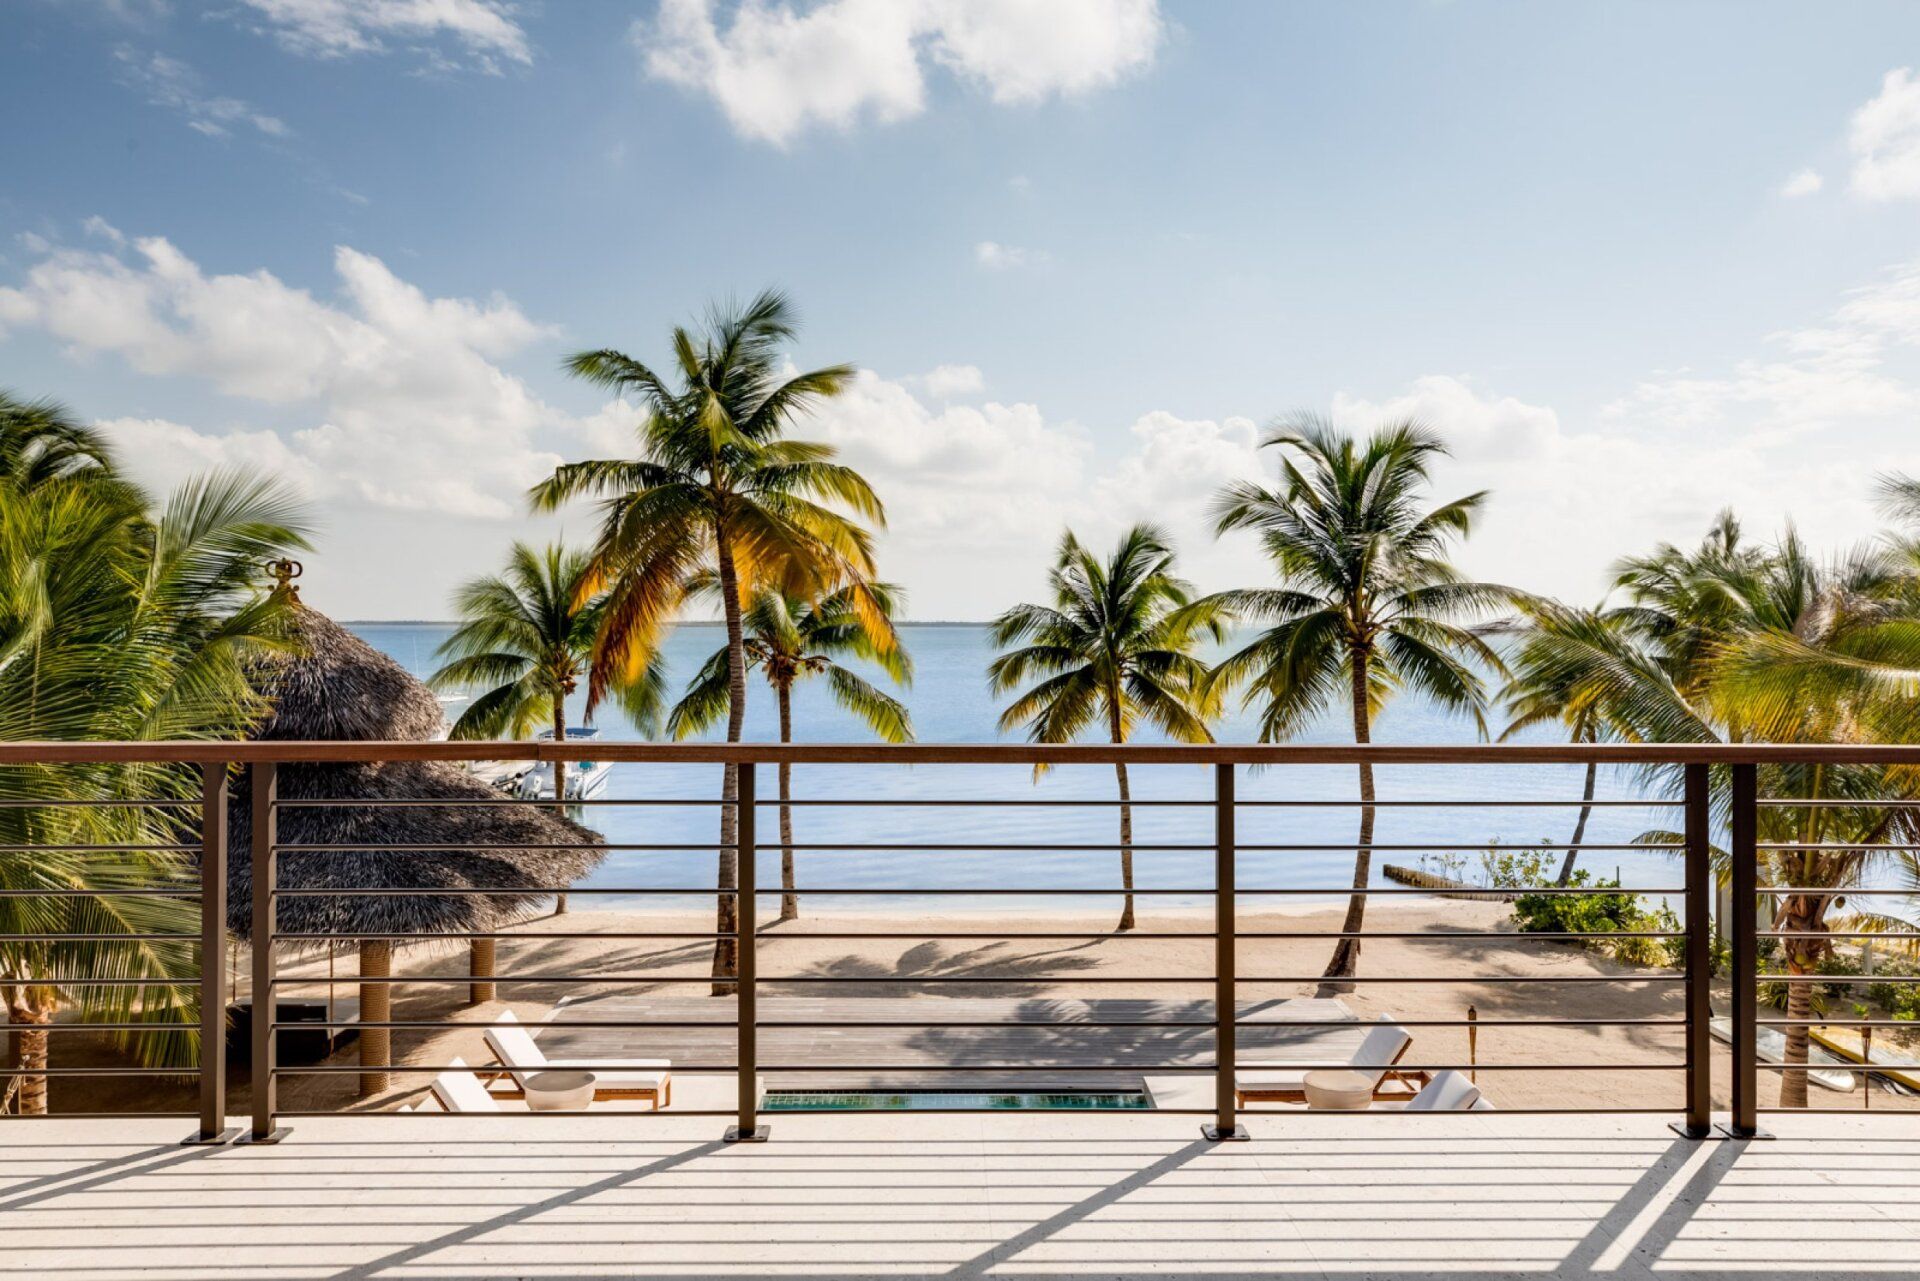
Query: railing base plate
{"type": "Point", "coordinates": [209, 1140]}
{"type": "Point", "coordinates": [1730, 1132]}
{"type": "Point", "coordinates": [269, 1139]}
{"type": "Point", "coordinates": [1686, 1131]}
{"type": "Point", "coordinates": [1233, 1134]}
{"type": "Point", "coordinates": [758, 1134]}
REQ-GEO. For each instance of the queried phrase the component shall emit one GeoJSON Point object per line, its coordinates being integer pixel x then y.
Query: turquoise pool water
{"type": "Point", "coordinates": [925, 1100]}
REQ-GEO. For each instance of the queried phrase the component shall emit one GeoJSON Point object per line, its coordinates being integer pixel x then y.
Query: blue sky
{"type": "Point", "coordinates": [1639, 261]}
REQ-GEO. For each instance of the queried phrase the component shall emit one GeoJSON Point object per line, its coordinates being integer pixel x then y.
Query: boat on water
{"type": "Point", "coordinates": [1847, 1044]}
{"type": "Point", "coordinates": [585, 779]}
{"type": "Point", "coordinates": [1772, 1045]}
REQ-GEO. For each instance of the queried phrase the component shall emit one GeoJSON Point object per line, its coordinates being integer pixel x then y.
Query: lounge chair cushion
{"type": "Point", "coordinates": [514, 1047]}
{"type": "Point", "coordinates": [1447, 1092]}
{"type": "Point", "coordinates": [459, 1090]}
{"type": "Point", "coordinates": [1383, 1044]}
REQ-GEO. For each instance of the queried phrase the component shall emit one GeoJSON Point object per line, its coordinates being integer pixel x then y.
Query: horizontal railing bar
{"type": "Point", "coordinates": [1829, 890]}
{"type": "Point", "coordinates": [893, 978]}
{"type": "Point", "coordinates": [95, 1071]}
{"type": "Point", "coordinates": [1398, 1022]}
{"type": "Point", "coordinates": [1459, 978]}
{"type": "Point", "coordinates": [115, 1027]}
{"type": "Point", "coordinates": [13, 1117]}
{"type": "Point", "coordinates": [6, 894]}
{"type": "Point", "coordinates": [1345, 891]}
{"type": "Point", "coordinates": [1449, 935]}
{"type": "Point", "coordinates": [865, 753]}
{"type": "Point", "coordinates": [99, 938]}
{"type": "Point", "coordinates": [95, 804]}
{"type": "Point", "coordinates": [469, 890]}
{"type": "Point", "coordinates": [1842, 1023]}
{"type": "Point", "coordinates": [926, 1069]}
{"type": "Point", "coordinates": [422, 802]}
{"type": "Point", "coordinates": [99, 849]}
{"type": "Point", "coordinates": [282, 935]}
{"type": "Point", "coordinates": [1839, 978]}
{"type": "Point", "coordinates": [1827, 846]}
{"type": "Point", "coordinates": [1118, 937]}
{"type": "Point", "coordinates": [456, 847]}
{"type": "Point", "coordinates": [976, 893]}
{"type": "Point", "coordinates": [185, 980]}
{"type": "Point", "coordinates": [1906, 935]}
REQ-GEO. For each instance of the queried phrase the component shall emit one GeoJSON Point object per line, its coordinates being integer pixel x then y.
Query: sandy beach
{"type": "Point", "coordinates": [1065, 969]}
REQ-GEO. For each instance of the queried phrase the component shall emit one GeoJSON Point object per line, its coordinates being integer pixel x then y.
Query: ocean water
{"type": "Point", "coordinates": [950, 702]}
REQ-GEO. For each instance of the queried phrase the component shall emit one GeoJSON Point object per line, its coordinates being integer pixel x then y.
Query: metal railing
{"type": "Point", "coordinates": [1713, 780]}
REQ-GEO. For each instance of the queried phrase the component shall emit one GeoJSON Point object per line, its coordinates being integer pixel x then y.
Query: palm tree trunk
{"type": "Point", "coordinates": [789, 901]}
{"type": "Point", "coordinates": [1126, 845]}
{"type": "Point", "coordinates": [1801, 912]}
{"type": "Point", "coordinates": [726, 952]}
{"type": "Point", "coordinates": [30, 1044]}
{"type": "Point", "coordinates": [560, 776]}
{"type": "Point", "coordinates": [1580, 826]}
{"type": "Point", "coordinates": [376, 1006]}
{"type": "Point", "coordinates": [1346, 953]}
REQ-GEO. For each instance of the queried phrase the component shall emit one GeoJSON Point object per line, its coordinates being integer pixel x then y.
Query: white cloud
{"type": "Point", "coordinates": [995, 256]}
{"type": "Point", "coordinates": [1885, 140]}
{"type": "Point", "coordinates": [403, 404]}
{"type": "Point", "coordinates": [484, 30]}
{"type": "Point", "coordinates": [776, 70]}
{"type": "Point", "coordinates": [1804, 183]}
{"type": "Point", "coordinates": [943, 382]}
{"type": "Point", "coordinates": [170, 83]}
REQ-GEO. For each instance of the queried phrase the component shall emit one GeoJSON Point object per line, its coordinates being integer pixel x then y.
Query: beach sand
{"type": "Point", "coordinates": [1062, 968]}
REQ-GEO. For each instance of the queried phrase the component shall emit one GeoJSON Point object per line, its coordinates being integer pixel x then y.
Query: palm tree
{"type": "Point", "coordinates": [525, 639]}
{"type": "Point", "coordinates": [1115, 646]}
{"type": "Point", "coordinates": [116, 623]}
{"type": "Point", "coordinates": [717, 487]}
{"type": "Point", "coordinates": [1544, 690]}
{"type": "Point", "coordinates": [789, 640]}
{"type": "Point", "coordinates": [1366, 604]}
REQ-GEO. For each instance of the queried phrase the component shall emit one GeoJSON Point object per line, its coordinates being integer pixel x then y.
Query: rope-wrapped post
{"type": "Point", "coordinates": [480, 964]}
{"type": "Point", "coordinates": [376, 1006]}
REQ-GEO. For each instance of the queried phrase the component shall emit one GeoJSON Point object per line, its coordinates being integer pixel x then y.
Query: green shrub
{"type": "Point", "coordinates": [1605, 911]}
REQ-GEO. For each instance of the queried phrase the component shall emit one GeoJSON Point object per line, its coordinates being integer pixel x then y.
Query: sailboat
{"type": "Point", "coordinates": [585, 779]}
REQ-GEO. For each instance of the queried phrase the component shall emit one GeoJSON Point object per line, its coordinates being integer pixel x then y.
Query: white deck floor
{"type": "Point", "coordinates": [960, 1196]}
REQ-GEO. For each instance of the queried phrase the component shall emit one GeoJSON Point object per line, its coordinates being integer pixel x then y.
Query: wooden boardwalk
{"type": "Point", "coordinates": [917, 1044]}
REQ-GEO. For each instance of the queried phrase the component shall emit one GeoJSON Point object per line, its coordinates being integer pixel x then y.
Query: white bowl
{"type": "Point", "coordinates": [562, 1091]}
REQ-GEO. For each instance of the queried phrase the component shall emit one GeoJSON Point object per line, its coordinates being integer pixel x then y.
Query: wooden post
{"type": "Point", "coordinates": [376, 1006]}
{"type": "Point", "coordinates": [746, 987]}
{"type": "Point", "coordinates": [264, 839]}
{"type": "Point", "coordinates": [1697, 1123]}
{"type": "Point", "coordinates": [1226, 1125]}
{"type": "Point", "coordinates": [1743, 851]}
{"type": "Point", "coordinates": [213, 941]}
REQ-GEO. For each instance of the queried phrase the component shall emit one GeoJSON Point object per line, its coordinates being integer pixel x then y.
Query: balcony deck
{"type": "Point", "coordinates": [990, 1195]}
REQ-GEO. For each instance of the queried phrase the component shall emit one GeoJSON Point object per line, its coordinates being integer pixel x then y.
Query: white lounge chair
{"type": "Point", "coordinates": [459, 1090]}
{"type": "Point", "coordinates": [514, 1051]}
{"type": "Point", "coordinates": [1385, 1043]}
{"type": "Point", "coordinates": [1448, 1092]}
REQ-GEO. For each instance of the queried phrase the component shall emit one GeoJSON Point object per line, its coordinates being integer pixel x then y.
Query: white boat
{"type": "Point", "coordinates": [585, 779]}
{"type": "Point", "coordinates": [1772, 1045]}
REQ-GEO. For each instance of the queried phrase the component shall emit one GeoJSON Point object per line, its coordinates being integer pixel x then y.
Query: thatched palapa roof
{"type": "Point", "coordinates": [336, 686]}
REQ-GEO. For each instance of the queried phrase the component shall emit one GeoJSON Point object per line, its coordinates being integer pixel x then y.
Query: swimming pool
{"type": "Point", "coordinates": [951, 1100]}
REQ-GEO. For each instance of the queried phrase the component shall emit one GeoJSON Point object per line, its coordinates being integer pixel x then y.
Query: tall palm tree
{"type": "Point", "coordinates": [1116, 646]}
{"type": "Point", "coordinates": [116, 622]}
{"type": "Point", "coordinates": [525, 639]}
{"type": "Point", "coordinates": [789, 640]}
{"type": "Point", "coordinates": [716, 486]}
{"type": "Point", "coordinates": [1366, 604]}
{"type": "Point", "coordinates": [1544, 690]}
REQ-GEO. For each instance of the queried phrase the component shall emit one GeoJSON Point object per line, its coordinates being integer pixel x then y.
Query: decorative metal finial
{"type": "Point", "coordinates": [284, 572]}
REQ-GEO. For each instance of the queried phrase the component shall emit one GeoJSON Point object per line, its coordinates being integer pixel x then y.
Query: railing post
{"type": "Point", "coordinates": [1697, 1123]}
{"type": "Point", "coordinates": [213, 970]}
{"type": "Point", "coordinates": [746, 994]}
{"type": "Point", "coordinates": [1744, 854]}
{"type": "Point", "coordinates": [265, 1003]}
{"type": "Point", "coordinates": [1226, 1126]}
